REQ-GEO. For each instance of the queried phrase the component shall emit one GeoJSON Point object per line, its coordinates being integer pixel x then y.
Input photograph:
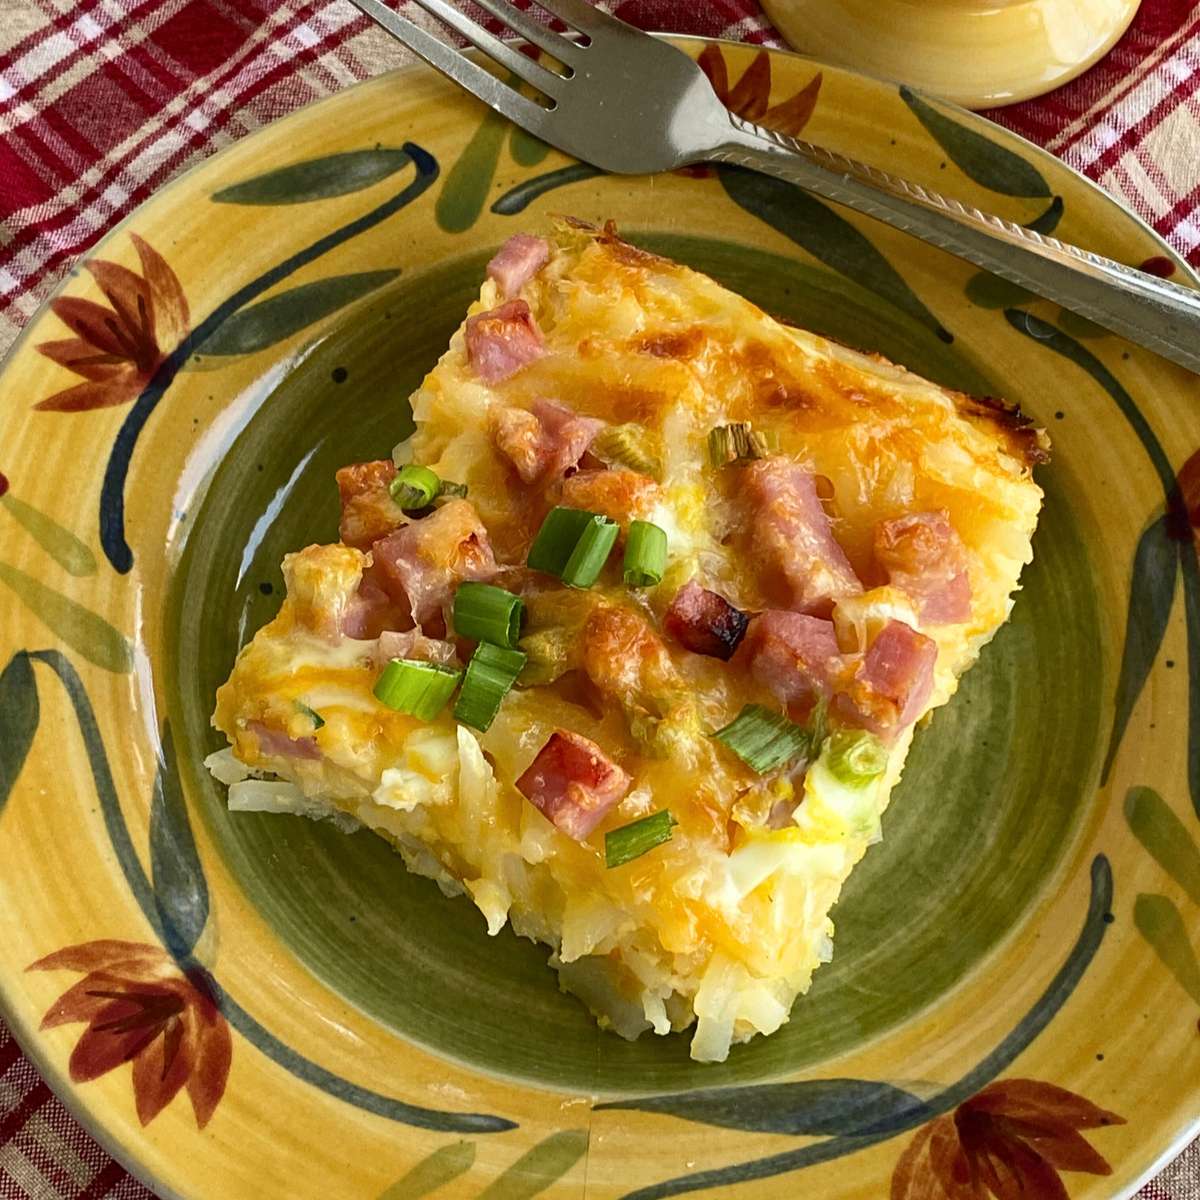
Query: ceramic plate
{"type": "Point", "coordinates": [252, 1005]}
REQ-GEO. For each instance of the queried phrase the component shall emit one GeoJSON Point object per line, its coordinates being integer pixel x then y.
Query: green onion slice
{"type": "Point", "coordinates": [855, 757]}
{"type": "Point", "coordinates": [633, 840]}
{"type": "Point", "coordinates": [311, 713]}
{"type": "Point", "coordinates": [574, 545]}
{"type": "Point", "coordinates": [418, 688]}
{"type": "Point", "coordinates": [737, 443]}
{"type": "Point", "coordinates": [449, 488]}
{"type": "Point", "coordinates": [490, 674]}
{"type": "Point", "coordinates": [645, 554]}
{"type": "Point", "coordinates": [764, 739]}
{"type": "Point", "coordinates": [488, 614]}
{"type": "Point", "coordinates": [414, 487]}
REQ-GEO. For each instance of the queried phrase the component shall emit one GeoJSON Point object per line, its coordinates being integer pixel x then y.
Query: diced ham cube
{"type": "Point", "coordinates": [567, 436]}
{"type": "Point", "coordinates": [368, 510]}
{"type": "Point", "coordinates": [893, 683]}
{"type": "Point", "coordinates": [517, 262]}
{"type": "Point", "coordinates": [371, 610]}
{"type": "Point", "coordinates": [793, 654]}
{"type": "Point", "coordinates": [503, 340]}
{"type": "Point", "coordinates": [573, 783]}
{"type": "Point", "coordinates": [277, 743]}
{"type": "Point", "coordinates": [704, 622]}
{"type": "Point", "coordinates": [790, 539]}
{"type": "Point", "coordinates": [424, 562]}
{"type": "Point", "coordinates": [545, 442]}
{"type": "Point", "coordinates": [414, 645]}
{"type": "Point", "coordinates": [924, 557]}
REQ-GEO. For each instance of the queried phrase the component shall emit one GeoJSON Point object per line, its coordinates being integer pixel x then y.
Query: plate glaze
{"type": "Point", "coordinates": [1015, 985]}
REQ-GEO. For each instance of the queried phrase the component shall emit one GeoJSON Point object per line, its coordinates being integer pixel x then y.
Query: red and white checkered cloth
{"type": "Point", "coordinates": [102, 101]}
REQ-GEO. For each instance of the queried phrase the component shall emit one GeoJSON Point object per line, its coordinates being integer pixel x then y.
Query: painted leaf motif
{"type": "Point", "coordinates": [432, 1172]}
{"type": "Point", "coordinates": [518, 199]}
{"type": "Point", "coordinates": [1166, 838]}
{"type": "Point", "coordinates": [1190, 564]}
{"type": "Point", "coordinates": [1151, 592]}
{"type": "Point", "coordinates": [538, 1168]}
{"type": "Point", "coordinates": [270, 321]}
{"type": "Point", "coordinates": [468, 182]}
{"type": "Point", "coordinates": [60, 543]}
{"type": "Point", "coordinates": [317, 179]}
{"type": "Point", "coordinates": [82, 630]}
{"type": "Point", "coordinates": [809, 1107]}
{"type": "Point", "coordinates": [19, 715]}
{"type": "Point", "coordinates": [1161, 924]}
{"type": "Point", "coordinates": [180, 892]}
{"type": "Point", "coordinates": [826, 236]}
{"type": "Point", "coordinates": [526, 150]}
{"type": "Point", "coordinates": [989, 164]}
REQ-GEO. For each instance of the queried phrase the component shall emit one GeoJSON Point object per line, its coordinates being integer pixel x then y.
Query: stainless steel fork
{"type": "Point", "coordinates": [631, 103]}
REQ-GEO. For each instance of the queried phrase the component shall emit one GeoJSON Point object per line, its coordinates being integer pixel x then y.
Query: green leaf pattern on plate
{"type": "Point", "coordinates": [85, 632]}
{"type": "Point", "coordinates": [60, 543]}
{"type": "Point", "coordinates": [278, 317]}
{"type": "Point", "coordinates": [433, 1172]}
{"type": "Point", "coordinates": [19, 714]}
{"type": "Point", "coordinates": [1151, 593]}
{"type": "Point", "coordinates": [1165, 836]}
{"type": "Point", "coordinates": [538, 1168]}
{"type": "Point", "coordinates": [1160, 922]}
{"type": "Point", "coordinates": [810, 1107]}
{"type": "Point", "coordinates": [317, 179]}
{"type": "Point", "coordinates": [987, 162]}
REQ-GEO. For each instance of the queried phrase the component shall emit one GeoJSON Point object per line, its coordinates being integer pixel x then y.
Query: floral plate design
{"type": "Point", "coordinates": [252, 1005]}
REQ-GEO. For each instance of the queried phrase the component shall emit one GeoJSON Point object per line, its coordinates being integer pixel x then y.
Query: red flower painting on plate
{"type": "Point", "coordinates": [117, 349]}
{"type": "Point", "coordinates": [1008, 1142]}
{"type": "Point", "coordinates": [140, 1008]}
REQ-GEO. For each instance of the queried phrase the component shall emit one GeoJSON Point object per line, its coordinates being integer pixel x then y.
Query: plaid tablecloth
{"type": "Point", "coordinates": [102, 101]}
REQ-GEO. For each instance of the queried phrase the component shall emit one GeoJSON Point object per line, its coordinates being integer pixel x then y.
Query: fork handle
{"type": "Point", "coordinates": [1152, 312]}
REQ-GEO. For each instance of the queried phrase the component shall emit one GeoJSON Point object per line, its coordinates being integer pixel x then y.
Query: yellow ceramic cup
{"type": "Point", "coordinates": [975, 52]}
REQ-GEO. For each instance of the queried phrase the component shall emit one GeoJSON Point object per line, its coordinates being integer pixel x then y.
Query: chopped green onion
{"type": "Point", "coordinates": [630, 445]}
{"type": "Point", "coordinates": [764, 739]}
{"type": "Point", "coordinates": [855, 757]}
{"type": "Point", "coordinates": [488, 614]}
{"type": "Point", "coordinates": [490, 674]}
{"type": "Point", "coordinates": [452, 489]}
{"type": "Point", "coordinates": [418, 688]}
{"type": "Point", "coordinates": [414, 487]}
{"type": "Point", "coordinates": [311, 713]}
{"type": "Point", "coordinates": [645, 554]}
{"type": "Point", "coordinates": [635, 839]}
{"type": "Point", "coordinates": [737, 443]}
{"type": "Point", "coordinates": [591, 553]}
{"type": "Point", "coordinates": [574, 545]}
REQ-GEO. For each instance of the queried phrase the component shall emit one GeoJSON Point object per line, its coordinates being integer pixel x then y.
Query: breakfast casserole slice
{"type": "Point", "coordinates": [630, 640]}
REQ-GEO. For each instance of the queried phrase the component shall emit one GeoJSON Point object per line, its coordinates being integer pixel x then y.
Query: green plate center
{"type": "Point", "coordinates": [990, 795]}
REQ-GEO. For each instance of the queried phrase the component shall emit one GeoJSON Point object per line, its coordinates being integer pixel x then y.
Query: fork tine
{"type": "Point", "coordinates": [521, 23]}
{"type": "Point", "coordinates": [519, 64]}
{"type": "Point", "coordinates": [580, 14]}
{"type": "Point", "coordinates": [480, 83]}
